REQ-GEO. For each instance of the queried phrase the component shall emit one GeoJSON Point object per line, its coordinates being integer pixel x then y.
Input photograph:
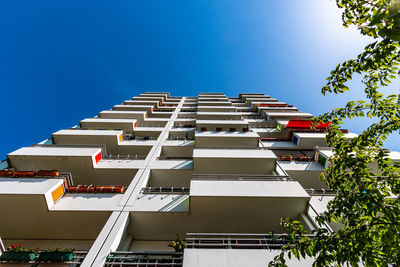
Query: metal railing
{"type": "Point", "coordinates": [251, 117]}
{"type": "Point", "coordinates": [238, 241]}
{"type": "Point", "coordinates": [174, 158]}
{"type": "Point", "coordinates": [76, 261]}
{"type": "Point", "coordinates": [244, 177]}
{"type": "Point", "coordinates": [151, 125]}
{"type": "Point", "coordinates": [165, 190]}
{"type": "Point", "coordinates": [125, 157]}
{"type": "Point", "coordinates": [163, 110]}
{"type": "Point", "coordinates": [179, 138]}
{"type": "Point", "coordinates": [154, 259]}
{"type": "Point", "coordinates": [185, 126]}
{"type": "Point", "coordinates": [320, 192]}
{"type": "Point", "coordinates": [133, 137]}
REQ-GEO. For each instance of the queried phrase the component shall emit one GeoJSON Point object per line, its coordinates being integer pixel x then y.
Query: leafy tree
{"type": "Point", "coordinates": [367, 182]}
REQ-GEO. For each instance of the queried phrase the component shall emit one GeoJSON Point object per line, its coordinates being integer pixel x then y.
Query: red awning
{"type": "Point", "coordinates": [298, 123]}
{"type": "Point", "coordinates": [272, 105]}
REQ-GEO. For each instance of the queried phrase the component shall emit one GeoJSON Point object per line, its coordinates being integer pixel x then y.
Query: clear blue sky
{"type": "Point", "coordinates": [63, 61]}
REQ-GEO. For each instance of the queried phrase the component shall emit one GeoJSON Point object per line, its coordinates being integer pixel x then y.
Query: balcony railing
{"type": "Point", "coordinates": [179, 138]}
{"type": "Point", "coordinates": [174, 158]}
{"type": "Point", "coordinates": [75, 262]}
{"type": "Point", "coordinates": [163, 110]}
{"type": "Point", "coordinates": [184, 126]}
{"type": "Point", "coordinates": [320, 192]}
{"type": "Point", "coordinates": [165, 190]}
{"type": "Point", "coordinates": [125, 157]}
{"type": "Point", "coordinates": [154, 259]}
{"type": "Point", "coordinates": [244, 177]}
{"type": "Point", "coordinates": [133, 137]}
{"type": "Point", "coordinates": [238, 241]}
{"type": "Point", "coordinates": [252, 117]}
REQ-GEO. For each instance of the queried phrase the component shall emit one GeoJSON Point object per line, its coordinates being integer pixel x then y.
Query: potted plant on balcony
{"type": "Point", "coordinates": [286, 157]}
{"type": "Point", "coordinates": [178, 245]}
{"type": "Point", "coordinates": [18, 253]}
{"type": "Point", "coordinates": [57, 255]}
{"type": "Point", "coordinates": [303, 157]}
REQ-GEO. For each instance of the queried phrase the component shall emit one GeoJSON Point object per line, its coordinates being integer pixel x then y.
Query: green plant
{"type": "Point", "coordinates": [360, 170]}
{"type": "Point", "coordinates": [62, 250]}
{"type": "Point", "coordinates": [19, 247]}
{"type": "Point", "coordinates": [177, 244]}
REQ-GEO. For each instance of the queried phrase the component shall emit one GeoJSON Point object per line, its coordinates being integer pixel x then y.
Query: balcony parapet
{"type": "Point", "coordinates": [241, 177]}
{"type": "Point", "coordinates": [320, 192]}
{"type": "Point", "coordinates": [76, 261]}
{"type": "Point", "coordinates": [130, 258]}
{"type": "Point", "coordinates": [174, 158]}
{"type": "Point", "coordinates": [238, 241]}
{"type": "Point", "coordinates": [165, 190]}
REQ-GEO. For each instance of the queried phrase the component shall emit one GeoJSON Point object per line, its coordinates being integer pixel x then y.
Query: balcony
{"type": "Point", "coordinates": [76, 261]}
{"type": "Point", "coordinates": [213, 103]}
{"type": "Point", "coordinates": [264, 110]}
{"type": "Point", "coordinates": [30, 203]}
{"type": "Point", "coordinates": [85, 163]}
{"type": "Point", "coordinates": [182, 133]}
{"type": "Point", "coordinates": [45, 191]}
{"type": "Point", "coordinates": [163, 94]}
{"type": "Point", "coordinates": [257, 101]}
{"type": "Point", "coordinates": [162, 199]}
{"type": "Point", "coordinates": [111, 139]}
{"type": "Point", "coordinates": [216, 109]}
{"type": "Point", "coordinates": [243, 109]}
{"type": "Point", "coordinates": [266, 104]}
{"type": "Point", "coordinates": [271, 117]}
{"type": "Point", "coordinates": [171, 102]}
{"type": "Point", "coordinates": [214, 207]}
{"type": "Point", "coordinates": [128, 107]}
{"type": "Point", "coordinates": [167, 178]}
{"type": "Point", "coordinates": [305, 172]}
{"type": "Point", "coordinates": [149, 97]}
{"type": "Point", "coordinates": [177, 149]}
{"type": "Point", "coordinates": [219, 115]}
{"type": "Point", "coordinates": [115, 114]}
{"type": "Point", "coordinates": [161, 114]}
{"type": "Point", "coordinates": [230, 203]}
{"type": "Point", "coordinates": [152, 132]}
{"type": "Point", "coordinates": [222, 125]}
{"type": "Point", "coordinates": [187, 115]}
{"type": "Point", "coordinates": [153, 259]}
{"type": "Point", "coordinates": [237, 241]}
{"type": "Point", "coordinates": [144, 102]}
{"type": "Point", "coordinates": [236, 258]}
{"type": "Point", "coordinates": [100, 123]}
{"type": "Point", "coordinates": [226, 139]}
{"type": "Point", "coordinates": [257, 123]}
{"type": "Point", "coordinates": [189, 108]}
{"type": "Point", "coordinates": [173, 163]}
{"type": "Point", "coordinates": [154, 122]}
{"type": "Point", "coordinates": [185, 123]}
{"type": "Point", "coordinates": [253, 161]}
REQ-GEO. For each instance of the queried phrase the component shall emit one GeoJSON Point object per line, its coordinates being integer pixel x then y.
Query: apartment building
{"type": "Point", "coordinates": [216, 171]}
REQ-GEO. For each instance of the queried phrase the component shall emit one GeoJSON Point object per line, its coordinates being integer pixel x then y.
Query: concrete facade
{"type": "Point", "coordinates": [212, 169]}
